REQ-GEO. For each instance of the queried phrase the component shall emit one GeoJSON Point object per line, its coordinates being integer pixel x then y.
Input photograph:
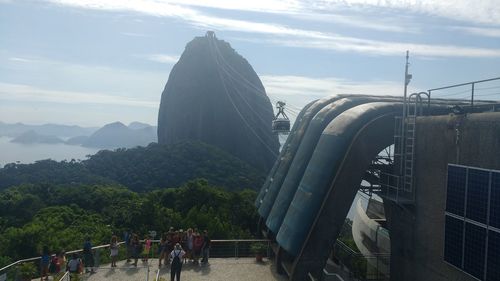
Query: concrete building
{"type": "Point", "coordinates": [418, 230]}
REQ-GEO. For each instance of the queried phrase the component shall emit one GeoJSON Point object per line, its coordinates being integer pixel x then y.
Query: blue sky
{"type": "Point", "coordinates": [91, 62]}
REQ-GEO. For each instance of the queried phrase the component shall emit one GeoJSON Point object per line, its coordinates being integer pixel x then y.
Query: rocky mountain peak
{"type": "Point", "coordinates": [214, 95]}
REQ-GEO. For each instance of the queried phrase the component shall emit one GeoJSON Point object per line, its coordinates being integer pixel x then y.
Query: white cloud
{"type": "Point", "coordinates": [373, 47]}
{"type": "Point", "coordinates": [483, 11]}
{"type": "Point", "coordinates": [282, 34]}
{"type": "Point", "coordinates": [162, 58]}
{"type": "Point", "coordinates": [112, 80]}
{"type": "Point", "coordinates": [297, 91]}
{"type": "Point", "coordinates": [18, 59]}
{"type": "Point", "coordinates": [25, 93]}
{"type": "Point", "coordinates": [133, 34]}
{"type": "Point", "coordinates": [481, 31]}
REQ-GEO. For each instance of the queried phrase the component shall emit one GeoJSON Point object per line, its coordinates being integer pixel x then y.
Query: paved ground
{"type": "Point", "coordinates": [242, 269]}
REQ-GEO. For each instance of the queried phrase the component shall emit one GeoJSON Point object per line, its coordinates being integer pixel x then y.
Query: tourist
{"type": "Point", "coordinates": [54, 262]}
{"type": "Point", "coordinates": [162, 249]}
{"type": "Point", "coordinates": [205, 249]}
{"type": "Point", "coordinates": [147, 248]}
{"type": "Point", "coordinates": [61, 260]}
{"type": "Point", "coordinates": [170, 245]}
{"type": "Point", "coordinates": [113, 248]}
{"type": "Point", "coordinates": [197, 244]}
{"type": "Point", "coordinates": [176, 266]}
{"type": "Point", "coordinates": [74, 264]}
{"type": "Point", "coordinates": [88, 255]}
{"type": "Point", "coordinates": [127, 238]}
{"type": "Point", "coordinates": [44, 263]}
{"type": "Point", "coordinates": [136, 248]}
{"type": "Point", "coordinates": [189, 242]}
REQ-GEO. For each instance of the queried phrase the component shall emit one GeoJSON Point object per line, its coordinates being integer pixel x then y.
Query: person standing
{"type": "Point", "coordinates": [61, 260]}
{"type": "Point", "coordinates": [113, 248]}
{"type": "Point", "coordinates": [147, 248]}
{"type": "Point", "coordinates": [205, 249]}
{"type": "Point", "coordinates": [136, 248]}
{"type": "Point", "coordinates": [44, 263]}
{"type": "Point", "coordinates": [197, 245]}
{"type": "Point", "coordinates": [74, 264]}
{"type": "Point", "coordinates": [162, 249]}
{"type": "Point", "coordinates": [88, 255]}
{"type": "Point", "coordinates": [176, 257]}
{"type": "Point", "coordinates": [127, 237]}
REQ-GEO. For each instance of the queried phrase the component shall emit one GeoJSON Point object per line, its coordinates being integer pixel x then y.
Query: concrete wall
{"type": "Point", "coordinates": [417, 232]}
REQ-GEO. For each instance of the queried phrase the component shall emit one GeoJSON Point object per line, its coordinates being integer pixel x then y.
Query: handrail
{"type": "Point", "coordinates": [158, 275]}
{"type": "Point", "coordinates": [472, 90]}
{"type": "Point", "coordinates": [39, 257]}
{"type": "Point", "coordinates": [120, 243]}
{"type": "Point", "coordinates": [465, 84]}
{"type": "Point", "coordinates": [66, 275]}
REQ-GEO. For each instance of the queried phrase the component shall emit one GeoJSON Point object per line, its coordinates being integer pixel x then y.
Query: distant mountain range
{"type": "Point", "coordinates": [116, 135]}
{"type": "Point", "coordinates": [110, 136]}
{"type": "Point", "coordinates": [62, 131]}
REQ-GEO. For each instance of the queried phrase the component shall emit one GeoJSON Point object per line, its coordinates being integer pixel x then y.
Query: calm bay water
{"type": "Point", "coordinates": [29, 153]}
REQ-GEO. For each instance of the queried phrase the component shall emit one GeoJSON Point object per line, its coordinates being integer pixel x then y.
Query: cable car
{"type": "Point", "coordinates": [281, 125]}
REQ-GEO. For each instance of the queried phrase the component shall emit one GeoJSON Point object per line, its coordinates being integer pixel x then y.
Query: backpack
{"type": "Point", "coordinates": [176, 262]}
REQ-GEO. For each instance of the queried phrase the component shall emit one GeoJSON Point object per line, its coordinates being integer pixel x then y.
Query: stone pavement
{"type": "Point", "coordinates": [219, 269]}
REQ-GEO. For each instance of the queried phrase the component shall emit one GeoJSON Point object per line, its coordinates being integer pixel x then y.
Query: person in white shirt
{"type": "Point", "coordinates": [176, 256]}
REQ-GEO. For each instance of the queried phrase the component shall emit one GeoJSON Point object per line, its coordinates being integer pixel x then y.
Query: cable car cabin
{"type": "Point", "coordinates": [281, 125]}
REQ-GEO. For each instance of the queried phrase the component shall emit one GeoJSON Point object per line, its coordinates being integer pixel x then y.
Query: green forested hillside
{"type": "Point", "coordinates": [145, 188]}
{"type": "Point", "coordinates": [60, 216]}
{"type": "Point", "coordinates": [141, 168]}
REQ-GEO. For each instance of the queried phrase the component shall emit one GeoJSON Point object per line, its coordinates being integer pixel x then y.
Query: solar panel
{"type": "Point", "coordinates": [453, 241]}
{"type": "Point", "coordinates": [477, 195]}
{"type": "Point", "coordinates": [493, 272]}
{"type": "Point", "coordinates": [455, 196]}
{"type": "Point", "coordinates": [474, 250]}
{"type": "Point", "coordinates": [495, 201]}
{"type": "Point", "coordinates": [470, 192]}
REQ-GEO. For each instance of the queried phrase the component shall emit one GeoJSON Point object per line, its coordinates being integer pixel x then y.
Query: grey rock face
{"type": "Point", "coordinates": [213, 95]}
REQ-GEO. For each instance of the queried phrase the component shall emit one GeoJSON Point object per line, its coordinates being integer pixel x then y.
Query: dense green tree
{"type": "Point", "coordinates": [140, 168]}
{"type": "Point", "coordinates": [60, 216]}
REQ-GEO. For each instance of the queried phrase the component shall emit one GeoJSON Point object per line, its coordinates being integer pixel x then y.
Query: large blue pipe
{"type": "Point", "coordinates": [272, 191]}
{"type": "Point", "coordinates": [321, 170]}
{"type": "Point", "coordinates": [305, 151]}
{"type": "Point", "coordinates": [284, 150]}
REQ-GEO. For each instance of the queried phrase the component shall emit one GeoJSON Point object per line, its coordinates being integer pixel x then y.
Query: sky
{"type": "Point", "coordinates": [93, 62]}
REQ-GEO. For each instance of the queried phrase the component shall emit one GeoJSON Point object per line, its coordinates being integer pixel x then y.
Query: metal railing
{"type": "Point", "coordinates": [471, 93]}
{"type": "Point", "coordinates": [232, 248]}
{"type": "Point", "coordinates": [65, 277]}
{"type": "Point", "coordinates": [360, 267]}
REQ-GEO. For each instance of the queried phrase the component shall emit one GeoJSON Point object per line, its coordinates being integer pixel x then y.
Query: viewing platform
{"type": "Point", "coordinates": [229, 260]}
{"type": "Point", "coordinates": [242, 269]}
